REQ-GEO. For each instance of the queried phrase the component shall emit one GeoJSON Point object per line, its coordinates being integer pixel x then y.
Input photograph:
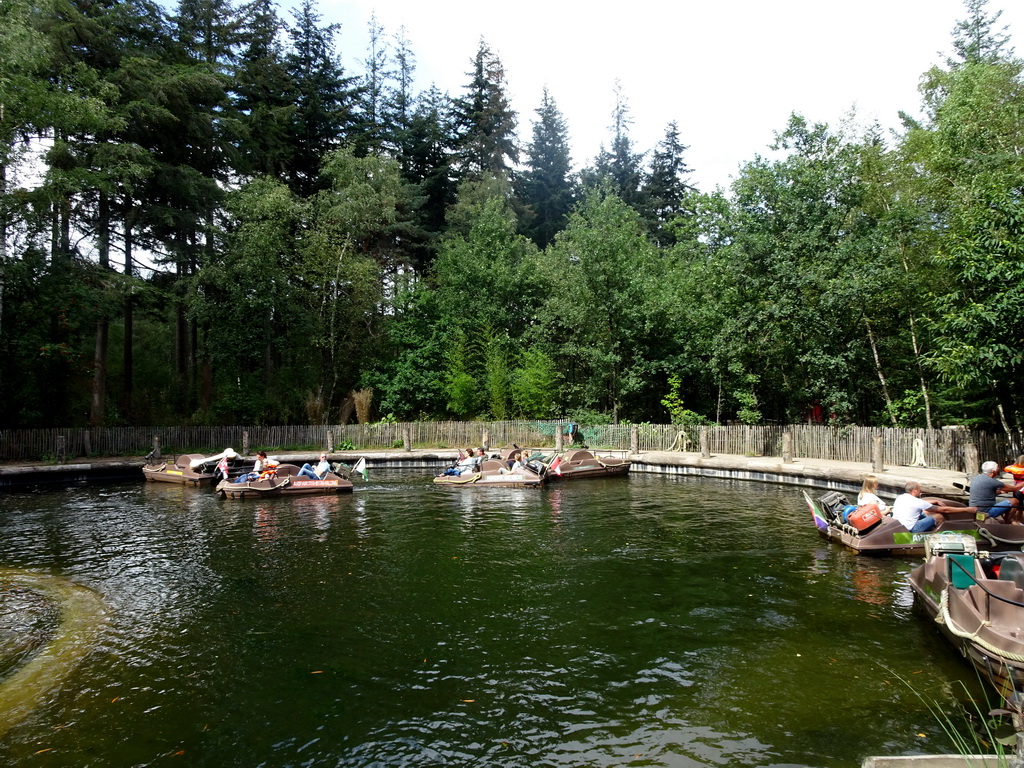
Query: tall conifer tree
{"type": "Point", "coordinates": [547, 185]}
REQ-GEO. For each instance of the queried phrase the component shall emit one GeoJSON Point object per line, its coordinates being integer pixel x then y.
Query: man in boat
{"type": "Point", "coordinates": [319, 472]}
{"type": "Point", "coordinates": [984, 489]}
{"type": "Point", "coordinates": [914, 513]}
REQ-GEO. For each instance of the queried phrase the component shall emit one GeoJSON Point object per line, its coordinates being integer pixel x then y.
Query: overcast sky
{"type": "Point", "coordinates": [728, 72]}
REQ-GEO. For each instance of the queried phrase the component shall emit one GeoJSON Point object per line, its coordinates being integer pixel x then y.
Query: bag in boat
{"type": "Point", "coordinates": [865, 517]}
{"type": "Point", "coordinates": [832, 504]}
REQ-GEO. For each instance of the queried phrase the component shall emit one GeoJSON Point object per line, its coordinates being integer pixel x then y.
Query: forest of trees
{"type": "Point", "coordinates": [204, 219]}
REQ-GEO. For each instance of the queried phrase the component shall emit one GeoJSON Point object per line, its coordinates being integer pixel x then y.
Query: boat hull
{"type": "Point", "coordinates": [166, 473]}
{"type": "Point", "coordinates": [582, 465]}
{"type": "Point", "coordinates": [491, 480]}
{"type": "Point", "coordinates": [981, 616]}
{"type": "Point", "coordinates": [890, 538]}
{"type": "Point", "coordinates": [285, 482]}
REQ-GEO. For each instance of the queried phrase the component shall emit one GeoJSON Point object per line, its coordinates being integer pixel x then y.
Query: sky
{"type": "Point", "coordinates": [729, 72]}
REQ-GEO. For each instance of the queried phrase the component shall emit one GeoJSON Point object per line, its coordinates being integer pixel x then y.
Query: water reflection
{"type": "Point", "coordinates": [594, 623]}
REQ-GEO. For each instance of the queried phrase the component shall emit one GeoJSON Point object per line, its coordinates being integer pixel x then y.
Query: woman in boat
{"type": "Point", "coordinates": [868, 495]}
{"type": "Point", "coordinates": [319, 472]}
{"type": "Point", "coordinates": [257, 468]}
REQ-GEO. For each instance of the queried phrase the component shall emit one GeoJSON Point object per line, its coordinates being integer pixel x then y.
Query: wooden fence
{"type": "Point", "coordinates": [943, 448]}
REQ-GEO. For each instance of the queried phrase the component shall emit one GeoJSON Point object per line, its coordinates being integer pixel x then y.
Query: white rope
{"type": "Point", "coordinates": [943, 617]}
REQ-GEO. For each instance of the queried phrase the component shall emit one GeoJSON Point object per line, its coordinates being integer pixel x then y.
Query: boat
{"type": "Point", "coordinates": [193, 468]}
{"type": "Point", "coordinates": [499, 472]}
{"type": "Point", "coordinates": [283, 480]}
{"type": "Point", "coordinates": [579, 464]}
{"type": "Point", "coordinates": [977, 599]}
{"type": "Point", "coordinates": [889, 537]}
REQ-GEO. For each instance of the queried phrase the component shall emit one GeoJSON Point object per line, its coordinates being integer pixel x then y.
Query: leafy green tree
{"type": "Point", "coordinates": [972, 174]}
{"type": "Point", "coordinates": [603, 310]}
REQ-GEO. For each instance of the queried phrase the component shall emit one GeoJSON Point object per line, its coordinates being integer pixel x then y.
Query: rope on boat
{"type": "Point", "coordinates": [476, 476]}
{"type": "Point", "coordinates": [992, 538]}
{"type": "Point", "coordinates": [943, 617]}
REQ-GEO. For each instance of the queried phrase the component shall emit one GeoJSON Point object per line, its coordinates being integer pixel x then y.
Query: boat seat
{"type": "Point", "coordinates": [1012, 568]}
{"type": "Point", "coordinates": [493, 465]}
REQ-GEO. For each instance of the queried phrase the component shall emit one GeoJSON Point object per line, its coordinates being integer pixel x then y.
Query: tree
{"type": "Point", "coordinates": [548, 190]}
{"type": "Point", "coordinates": [665, 187]}
{"type": "Point", "coordinates": [264, 94]}
{"type": "Point", "coordinates": [975, 38]}
{"type": "Point", "coordinates": [324, 98]}
{"type": "Point", "coordinates": [621, 168]}
{"type": "Point", "coordinates": [484, 123]}
{"type": "Point", "coordinates": [603, 311]}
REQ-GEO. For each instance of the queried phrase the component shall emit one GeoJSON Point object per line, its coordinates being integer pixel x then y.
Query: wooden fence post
{"type": "Point", "coordinates": [245, 443]}
{"type": "Point", "coordinates": [330, 441]}
{"type": "Point", "coordinates": [877, 454]}
{"type": "Point", "coordinates": [634, 439]}
{"type": "Point", "coordinates": [156, 449]}
{"type": "Point", "coordinates": [61, 449]}
{"type": "Point", "coordinates": [407, 437]}
{"type": "Point", "coordinates": [972, 465]}
{"type": "Point", "coordinates": [705, 447]}
{"type": "Point", "coordinates": [787, 448]}
{"type": "Point", "coordinates": [485, 439]}
{"type": "Point", "coordinates": [558, 438]}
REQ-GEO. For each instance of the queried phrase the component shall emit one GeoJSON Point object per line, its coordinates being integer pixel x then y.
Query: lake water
{"type": "Point", "coordinates": [647, 621]}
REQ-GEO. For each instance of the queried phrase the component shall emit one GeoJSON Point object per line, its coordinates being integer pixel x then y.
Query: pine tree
{"type": "Point", "coordinates": [373, 126]}
{"type": "Point", "coordinates": [621, 167]}
{"type": "Point", "coordinates": [666, 188]}
{"type": "Point", "coordinates": [548, 189]}
{"type": "Point", "coordinates": [324, 101]}
{"type": "Point", "coordinates": [264, 94]}
{"type": "Point", "coordinates": [484, 122]}
{"type": "Point", "coordinates": [975, 38]}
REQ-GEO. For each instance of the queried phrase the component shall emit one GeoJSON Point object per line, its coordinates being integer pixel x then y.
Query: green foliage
{"type": "Point", "coordinates": [534, 385]}
{"type": "Point", "coordinates": [673, 403]}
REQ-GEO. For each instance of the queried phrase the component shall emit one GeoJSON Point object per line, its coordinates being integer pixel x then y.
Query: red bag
{"type": "Point", "coordinates": [865, 517]}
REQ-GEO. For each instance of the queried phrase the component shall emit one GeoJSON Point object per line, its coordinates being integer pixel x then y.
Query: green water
{"type": "Point", "coordinates": [642, 622]}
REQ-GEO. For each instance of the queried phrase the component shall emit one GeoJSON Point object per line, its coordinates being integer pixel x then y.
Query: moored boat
{"type": "Point", "coordinates": [888, 536]}
{"type": "Point", "coordinates": [283, 480]}
{"type": "Point", "coordinates": [977, 599]}
{"type": "Point", "coordinates": [511, 470]}
{"type": "Point", "coordinates": [579, 464]}
{"type": "Point", "coordinates": [194, 468]}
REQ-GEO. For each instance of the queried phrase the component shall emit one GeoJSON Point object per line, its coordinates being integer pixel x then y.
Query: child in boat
{"type": "Point", "coordinates": [868, 495]}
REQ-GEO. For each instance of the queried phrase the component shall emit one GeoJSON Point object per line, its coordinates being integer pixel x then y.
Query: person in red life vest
{"type": "Point", "coordinates": [1017, 470]}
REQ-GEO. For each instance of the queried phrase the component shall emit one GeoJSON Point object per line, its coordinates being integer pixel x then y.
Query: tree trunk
{"type": "Point", "coordinates": [128, 350]}
{"type": "Point", "coordinates": [879, 371]}
{"type": "Point", "coordinates": [98, 406]}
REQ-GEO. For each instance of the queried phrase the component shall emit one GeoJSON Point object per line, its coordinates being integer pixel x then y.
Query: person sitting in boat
{"type": "Point", "coordinates": [984, 489]}
{"type": "Point", "coordinates": [319, 472]}
{"type": "Point", "coordinates": [868, 495]}
{"type": "Point", "coordinates": [257, 468]}
{"type": "Point", "coordinates": [1017, 471]}
{"type": "Point", "coordinates": [915, 514]}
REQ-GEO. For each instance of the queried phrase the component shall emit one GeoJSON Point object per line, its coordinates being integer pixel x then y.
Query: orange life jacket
{"type": "Point", "coordinates": [1016, 470]}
